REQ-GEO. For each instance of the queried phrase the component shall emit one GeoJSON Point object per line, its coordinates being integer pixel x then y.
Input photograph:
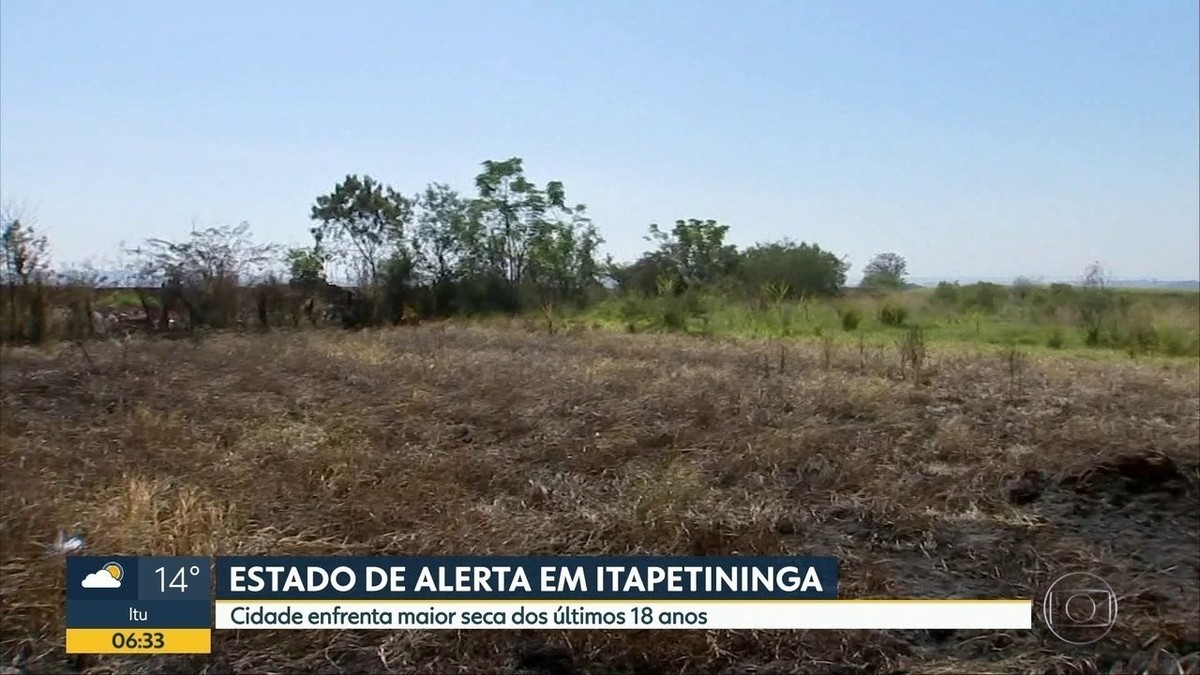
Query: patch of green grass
{"type": "Point", "coordinates": [1136, 323]}
{"type": "Point", "coordinates": [125, 299]}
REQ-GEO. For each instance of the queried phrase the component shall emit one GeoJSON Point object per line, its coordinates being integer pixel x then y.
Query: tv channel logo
{"type": "Point", "coordinates": [1080, 608]}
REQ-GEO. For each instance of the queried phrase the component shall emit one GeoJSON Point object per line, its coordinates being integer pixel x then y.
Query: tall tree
{"type": "Point", "coordinates": [696, 249]}
{"type": "Point", "coordinates": [563, 253]}
{"type": "Point", "coordinates": [886, 270]}
{"type": "Point", "coordinates": [510, 209]}
{"type": "Point", "coordinates": [363, 221]}
{"type": "Point", "coordinates": [22, 275]}
{"type": "Point", "coordinates": [446, 240]}
{"type": "Point", "coordinates": [25, 251]}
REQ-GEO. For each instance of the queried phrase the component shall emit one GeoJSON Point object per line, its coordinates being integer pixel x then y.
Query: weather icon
{"type": "Point", "coordinates": [108, 576]}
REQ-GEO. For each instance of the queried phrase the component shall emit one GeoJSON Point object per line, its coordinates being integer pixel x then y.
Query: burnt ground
{"type": "Point", "coordinates": [985, 477]}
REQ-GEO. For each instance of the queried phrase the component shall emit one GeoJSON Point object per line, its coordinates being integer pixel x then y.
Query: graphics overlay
{"type": "Point", "coordinates": [145, 605]}
{"type": "Point", "coordinates": [1080, 608]}
{"type": "Point", "coordinates": [572, 592]}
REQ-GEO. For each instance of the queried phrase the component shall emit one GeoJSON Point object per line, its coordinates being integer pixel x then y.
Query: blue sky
{"type": "Point", "coordinates": [979, 139]}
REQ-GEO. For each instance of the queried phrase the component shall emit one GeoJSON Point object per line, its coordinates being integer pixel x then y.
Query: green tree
{"type": "Point", "coordinates": [696, 250]}
{"type": "Point", "coordinates": [563, 256]}
{"type": "Point", "coordinates": [642, 275]}
{"type": "Point", "coordinates": [396, 278]}
{"type": "Point", "coordinates": [886, 270]}
{"type": "Point", "coordinates": [306, 266]}
{"type": "Point", "coordinates": [362, 221]}
{"type": "Point", "coordinates": [447, 242]}
{"type": "Point", "coordinates": [532, 240]}
{"type": "Point", "coordinates": [509, 209]}
{"type": "Point", "coordinates": [803, 269]}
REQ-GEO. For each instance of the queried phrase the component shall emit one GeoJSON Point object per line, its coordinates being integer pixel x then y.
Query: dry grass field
{"type": "Point", "coordinates": [988, 475]}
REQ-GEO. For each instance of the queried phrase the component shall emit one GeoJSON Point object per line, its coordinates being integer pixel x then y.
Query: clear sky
{"type": "Point", "coordinates": [982, 139]}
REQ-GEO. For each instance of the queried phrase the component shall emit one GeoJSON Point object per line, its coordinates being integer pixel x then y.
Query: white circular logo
{"type": "Point", "coordinates": [1080, 608]}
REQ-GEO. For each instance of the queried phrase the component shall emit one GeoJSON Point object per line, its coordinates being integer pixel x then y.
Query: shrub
{"type": "Point", "coordinates": [1140, 336]}
{"type": "Point", "coordinates": [1173, 342]}
{"type": "Point", "coordinates": [675, 312]}
{"type": "Point", "coordinates": [1095, 307]}
{"type": "Point", "coordinates": [850, 318]}
{"type": "Point", "coordinates": [912, 352]}
{"type": "Point", "coordinates": [633, 307]}
{"type": "Point", "coordinates": [1060, 290]}
{"type": "Point", "coordinates": [984, 297]}
{"type": "Point", "coordinates": [1023, 288]}
{"type": "Point", "coordinates": [1056, 340]}
{"type": "Point", "coordinates": [891, 315]}
{"type": "Point", "coordinates": [125, 299]}
{"type": "Point", "coordinates": [947, 294]}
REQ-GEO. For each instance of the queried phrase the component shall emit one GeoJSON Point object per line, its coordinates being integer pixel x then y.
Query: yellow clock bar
{"type": "Point", "coordinates": [139, 641]}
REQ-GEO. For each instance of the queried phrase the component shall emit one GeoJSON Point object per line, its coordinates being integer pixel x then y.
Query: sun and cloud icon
{"type": "Point", "coordinates": [108, 576]}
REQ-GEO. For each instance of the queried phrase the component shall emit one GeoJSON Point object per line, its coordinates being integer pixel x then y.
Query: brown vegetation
{"type": "Point", "coordinates": [983, 477]}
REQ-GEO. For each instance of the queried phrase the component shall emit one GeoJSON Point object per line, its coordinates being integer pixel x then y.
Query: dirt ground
{"type": "Point", "coordinates": [988, 475]}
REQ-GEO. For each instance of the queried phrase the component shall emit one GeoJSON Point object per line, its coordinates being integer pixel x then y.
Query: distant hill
{"type": "Point", "coordinates": [1175, 285]}
{"type": "Point", "coordinates": [1154, 283]}
{"type": "Point", "coordinates": [118, 278]}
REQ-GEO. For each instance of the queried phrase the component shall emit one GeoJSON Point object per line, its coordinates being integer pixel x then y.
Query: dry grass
{"type": "Point", "coordinates": [469, 440]}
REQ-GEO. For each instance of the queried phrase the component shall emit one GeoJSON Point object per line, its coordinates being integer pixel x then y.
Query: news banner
{"type": "Point", "coordinates": [167, 605]}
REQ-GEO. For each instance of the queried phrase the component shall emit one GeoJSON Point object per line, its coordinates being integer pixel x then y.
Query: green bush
{"type": "Point", "coordinates": [1056, 340]}
{"type": "Point", "coordinates": [634, 309]}
{"type": "Point", "coordinates": [891, 315]}
{"type": "Point", "coordinates": [947, 294]}
{"type": "Point", "coordinates": [675, 311]}
{"type": "Point", "coordinates": [850, 318]}
{"type": "Point", "coordinates": [1140, 336]}
{"type": "Point", "coordinates": [1173, 342]}
{"type": "Point", "coordinates": [1023, 288]}
{"type": "Point", "coordinates": [983, 297]}
{"type": "Point", "coordinates": [1096, 308]}
{"type": "Point", "coordinates": [1062, 291]}
{"type": "Point", "coordinates": [127, 300]}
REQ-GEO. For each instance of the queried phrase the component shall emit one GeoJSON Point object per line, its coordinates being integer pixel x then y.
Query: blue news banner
{"type": "Point", "coordinates": [164, 604]}
{"type": "Point", "coordinates": [519, 592]}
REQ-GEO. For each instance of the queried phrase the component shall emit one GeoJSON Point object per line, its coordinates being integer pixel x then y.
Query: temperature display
{"type": "Point", "coordinates": [152, 605]}
{"type": "Point", "coordinates": [179, 581]}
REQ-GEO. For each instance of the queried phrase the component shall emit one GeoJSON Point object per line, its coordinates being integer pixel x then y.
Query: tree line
{"type": "Point", "coordinates": [512, 245]}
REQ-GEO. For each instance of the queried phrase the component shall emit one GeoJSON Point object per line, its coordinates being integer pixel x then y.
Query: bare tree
{"type": "Point", "coordinates": [201, 275]}
{"type": "Point", "coordinates": [1096, 276]}
{"type": "Point", "coordinates": [26, 252]}
{"type": "Point", "coordinates": [1095, 304]}
{"type": "Point", "coordinates": [23, 275]}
